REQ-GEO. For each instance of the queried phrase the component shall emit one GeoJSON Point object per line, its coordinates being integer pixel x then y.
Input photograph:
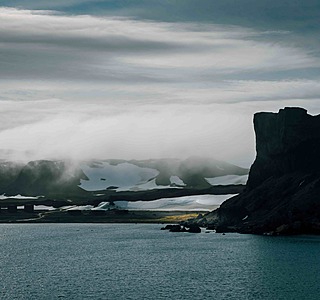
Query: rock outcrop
{"type": "Point", "coordinates": [191, 228]}
{"type": "Point", "coordinates": [286, 142]}
{"type": "Point", "coordinates": [283, 190]}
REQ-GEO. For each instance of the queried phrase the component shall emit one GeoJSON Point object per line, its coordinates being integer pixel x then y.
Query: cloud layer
{"type": "Point", "coordinates": [87, 86]}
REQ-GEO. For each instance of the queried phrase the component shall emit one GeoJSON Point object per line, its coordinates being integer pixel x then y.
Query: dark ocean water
{"type": "Point", "coordinates": [90, 261]}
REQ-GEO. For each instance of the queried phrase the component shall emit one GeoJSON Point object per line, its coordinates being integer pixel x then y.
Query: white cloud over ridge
{"type": "Point", "coordinates": [86, 86]}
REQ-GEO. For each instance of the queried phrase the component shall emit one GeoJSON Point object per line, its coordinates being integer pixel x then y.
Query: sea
{"type": "Point", "coordinates": [140, 261]}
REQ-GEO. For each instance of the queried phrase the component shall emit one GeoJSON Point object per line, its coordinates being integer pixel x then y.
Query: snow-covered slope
{"type": "Point", "coordinates": [187, 203]}
{"type": "Point", "coordinates": [176, 180]}
{"type": "Point", "coordinates": [73, 179]}
{"type": "Point", "coordinates": [228, 180]}
{"type": "Point", "coordinates": [123, 176]}
{"type": "Point", "coordinates": [150, 185]}
{"type": "Point", "coordinates": [158, 174]}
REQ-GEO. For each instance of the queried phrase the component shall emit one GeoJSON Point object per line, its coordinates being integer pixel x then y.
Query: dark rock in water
{"type": "Point", "coordinates": [194, 229]}
{"type": "Point", "coordinates": [167, 227]}
{"type": "Point", "coordinates": [282, 193]}
{"type": "Point", "coordinates": [175, 228]}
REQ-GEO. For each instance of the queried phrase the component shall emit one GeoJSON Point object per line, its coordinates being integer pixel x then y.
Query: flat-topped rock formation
{"type": "Point", "coordinates": [283, 190]}
{"type": "Point", "coordinates": [286, 142]}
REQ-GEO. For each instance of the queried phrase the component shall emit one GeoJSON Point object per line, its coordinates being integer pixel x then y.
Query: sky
{"type": "Point", "coordinates": [140, 79]}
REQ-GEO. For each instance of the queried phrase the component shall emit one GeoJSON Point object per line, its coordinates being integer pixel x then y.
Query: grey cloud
{"type": "Point", "coordinates": [267, 14]}
{"type": "Point", "coordinates": [120, 44]}
{"type": "Point", "coordinates": [40, 62]}
{"type": "Point", "coordinates": [90, 86]}
{"type": "Point", "coordinates": [47, 4]}
{"type": "Point", "coordinates": [90, 48]}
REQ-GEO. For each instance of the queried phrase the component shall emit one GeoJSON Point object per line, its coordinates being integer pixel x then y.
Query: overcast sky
{"type": "Point", "coordinates": [147, 79]}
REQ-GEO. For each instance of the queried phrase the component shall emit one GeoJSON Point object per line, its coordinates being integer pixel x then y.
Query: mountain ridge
{"type": "Point", "coordinates": [102, 179]}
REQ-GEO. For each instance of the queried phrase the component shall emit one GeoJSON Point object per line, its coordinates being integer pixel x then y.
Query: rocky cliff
{"type": "Point", "coordinates": [283, 190]}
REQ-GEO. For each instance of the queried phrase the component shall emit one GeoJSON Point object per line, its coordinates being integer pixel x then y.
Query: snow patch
{"type": "Point", "coordinates": [2, 197]}
{"type": "Point", "coordinates": [83, 207]}
{"type": "Point", "coordinates": [228, 180]}
{"type": "Point", "coordinates": [44, 207]}
{"type": "Point", "coordinates": [177, 180]}
{"type": "Point", "coordinates": [104, 206]}
{"type": "Point", "coordinates": [150, 185]}
{"type": "Point", "coordinates": [186, 203]}
{"type": "Point", "coordinates": [124, 176]}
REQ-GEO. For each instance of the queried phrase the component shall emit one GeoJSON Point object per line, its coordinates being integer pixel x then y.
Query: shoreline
{"type": "Point", "coordinates": [112, 216]}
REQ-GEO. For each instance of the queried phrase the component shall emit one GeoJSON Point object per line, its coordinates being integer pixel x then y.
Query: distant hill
{"type": "Point", "coordinates": [67, 179]}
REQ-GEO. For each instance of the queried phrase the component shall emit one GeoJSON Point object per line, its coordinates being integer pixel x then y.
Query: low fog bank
{"type": "Point", "coordinates": [92, 131]}
{"type": "Point", "coordinates": [145, 133]}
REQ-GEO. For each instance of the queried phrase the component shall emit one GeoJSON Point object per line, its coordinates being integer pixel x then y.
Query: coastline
{"type": "Point", "coordinates": [112, 216]}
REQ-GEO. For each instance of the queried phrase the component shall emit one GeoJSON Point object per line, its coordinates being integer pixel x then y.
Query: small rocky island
{"type": "Point", "coordinates": [282, 195]}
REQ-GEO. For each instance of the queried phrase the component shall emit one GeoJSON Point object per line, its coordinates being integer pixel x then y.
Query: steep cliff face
{"type": "Point", "coordinates": [283, 189]}
{"type": "Point", "coordinates": [286, 142]}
